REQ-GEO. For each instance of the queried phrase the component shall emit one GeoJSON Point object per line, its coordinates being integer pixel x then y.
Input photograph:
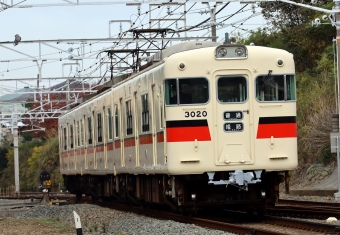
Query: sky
{"type": "Point", "coordinates": [89, 22]}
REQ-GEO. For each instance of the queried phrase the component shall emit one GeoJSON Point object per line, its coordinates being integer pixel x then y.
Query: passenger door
{"type": "Point", "coordinates": [233, 119]}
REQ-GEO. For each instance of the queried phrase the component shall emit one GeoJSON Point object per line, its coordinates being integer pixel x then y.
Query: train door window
{"type": "Point", "coordinates": [71, 136]}
{"type": "Point", "coordinates": [109, 121]}
{"type": "Point", "coordinates": [99, 127]}
{"type": "Point", "coordinates": [232, 89]}
{"type": "Point", "coordinates": [116, 122]}
{"type": "Point", "coordinates": [145, 113]}
{"type": "Point", "coordinates": [89, 130]}
{"type": "Point", "coordinates": [78, 134]}
{"type": "Point", "coordinates": [275, 87]}
{"type": "Point", "coordinates": [190, 90]}
{"type": "Point", "coordinates": [65, 139]}
{"type": "Point", "coordinates": [128, 118]}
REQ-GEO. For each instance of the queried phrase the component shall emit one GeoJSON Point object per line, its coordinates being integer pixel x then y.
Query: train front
{"type": "Point", "coordinates": [230, 124]}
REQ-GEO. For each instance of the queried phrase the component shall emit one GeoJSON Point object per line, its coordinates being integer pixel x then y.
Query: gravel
{"type": "Point", "coordinates": [98, 220]}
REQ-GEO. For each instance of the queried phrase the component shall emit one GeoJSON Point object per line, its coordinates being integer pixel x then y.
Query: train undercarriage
{"type": "Point", "coordinates": [181, 192]}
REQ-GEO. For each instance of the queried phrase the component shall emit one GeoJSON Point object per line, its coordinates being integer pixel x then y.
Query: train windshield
{"type": "Point", "coordinates": [190, 90]}
{"type": "Point", "coordinates": [275, 87]}
{"type": "Point", "coordinates": [232, 89]}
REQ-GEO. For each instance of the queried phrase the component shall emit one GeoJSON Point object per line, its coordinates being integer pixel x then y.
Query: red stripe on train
{"type": "Point", "coordinates": [179, 134]}
{"type": "Point", "coordinates": [117, 144]}
{"type": "Point", "coordinates": [277, 130]}
{"type": "Point", "coordinates": [147, 139]}
{"type": "Point", "coordinates": [110, 146]}
{"type": "Point", "coordinates": [129, 143]}
{"type": "Point", "coordinates": [160, 137]}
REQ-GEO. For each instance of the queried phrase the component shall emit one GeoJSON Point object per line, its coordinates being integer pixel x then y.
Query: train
{"type": "Point", "coordinates": [203, 125]}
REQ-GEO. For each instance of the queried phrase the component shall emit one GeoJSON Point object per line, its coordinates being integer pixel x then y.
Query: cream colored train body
{"type": "Point", "coordinates": [203, 117]}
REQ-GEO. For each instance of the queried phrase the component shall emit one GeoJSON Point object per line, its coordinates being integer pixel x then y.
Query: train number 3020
{"type": "Point", "coordinates": [195, 114]}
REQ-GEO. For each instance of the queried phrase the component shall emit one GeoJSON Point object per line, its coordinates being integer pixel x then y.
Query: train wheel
{"type": "Point", "coordinates": [79, 195]}
{"type": "Point", "coordinates": [261, 210]}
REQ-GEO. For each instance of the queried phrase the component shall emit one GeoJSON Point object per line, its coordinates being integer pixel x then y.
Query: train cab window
{"type": "Point", "coordinates": [89, 130]}
{"type": "Point", "coordinates": [145, 113]}
{"type": "Point", "coordinates": [65, 139]}
{"type": "Point", "coordinates": [232, 89]}
{"type": "Point", "coordinates": [116, 122]}
{"type": "Point", "coordinates": [109, 121]}
{"type": "Point", "coordinates": [99, 128]}
{"type": "Point", "coordinates": [275, 87]}
{"type": "Point", "coordinates": [128, 118]}
{"type": "Point", "coordinates": [190, 90]}
{"type": "Point", "coordinates": [71, 136]}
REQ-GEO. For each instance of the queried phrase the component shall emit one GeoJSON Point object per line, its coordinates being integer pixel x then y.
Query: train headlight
{"type": "Point", "coordinates": [239, 51]}
{"type": "Point", "coordinates": [222, 52]}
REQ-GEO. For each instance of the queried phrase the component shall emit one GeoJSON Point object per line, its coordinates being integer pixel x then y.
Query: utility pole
{"type": "Point", "coordinates": [16, 153]}
{"type": "Point", "coordinates": [213, 24]}
{"type": "Point", "coordinates": [337, 19]}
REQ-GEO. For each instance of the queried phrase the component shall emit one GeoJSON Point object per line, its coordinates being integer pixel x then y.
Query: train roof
{"type": "Point", "coordinates": [186, 46]}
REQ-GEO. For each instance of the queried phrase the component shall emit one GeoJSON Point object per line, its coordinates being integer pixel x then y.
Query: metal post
{"type": "Point", "coordinates": [213, 24]}
{"type": "Point", "coordinates": [16, 155]}
{"type": "Point", "coordinates": [338, 159]}
{"type": "Point", "coordinates": [77, 222]}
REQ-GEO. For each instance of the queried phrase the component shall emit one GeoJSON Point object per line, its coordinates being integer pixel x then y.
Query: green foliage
{"type": "Point", "coordinates": [44, 158]}
{"type": "Point", "coordinates": [34, 157]}
{"type": "Point", "coordinates": [27, 136]}
{"type": "Point", "coordinates": [315, 106]}
{"type": "Point", "coordinates": [306, 43]}
{"type": "Point", "coordinates": [3, 160]}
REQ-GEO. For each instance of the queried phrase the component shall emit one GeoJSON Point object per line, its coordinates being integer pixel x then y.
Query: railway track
{"type": "Point", "coordinates": [207, 223]}
{"type": "Point", "coordinates": [307, 203]}
{"type": "Point", "coordinates": [305, 209]}
{"type": "Point", "coordinates": [37, 195]}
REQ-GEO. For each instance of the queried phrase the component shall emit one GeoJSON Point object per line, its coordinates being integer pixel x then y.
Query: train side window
{"type": "Point", "coordinates": [65, 139]}
{"type": "Point", "coordinates": [99, 127]}
{"type": "Point", "coordinates": [71, 136]}
{"type": "Point", "coordinates": [89, 129]}
{"type": "Point", "coordinates": [171, 91]}
{"type": "Point", "coordinates": [190, 90]}
{"type": "Point", "coordinates": [78, 134]}
{"type": "Point", "coordinates": [128, 118]}
{"type": "Point", "coordinates": [290, 86]}
{"type": "Point", "coordinates": [232, 89]}
{"type": "Point", "coordinates": [116, 122]}
{"type": "Point", "coordinates": [109, 121]}
{"type": "Point", "coordinates": [275, 87]}
{"type": "Point", "coordinates": [161, 113]}
{"type": "Point", "coordinates": [145, 113]}
{"type": "Point", "coordinates": [82, 132]}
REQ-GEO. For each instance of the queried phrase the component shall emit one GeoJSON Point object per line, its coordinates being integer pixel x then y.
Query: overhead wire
{"type": "Point", "coordinates": [11, 6]}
